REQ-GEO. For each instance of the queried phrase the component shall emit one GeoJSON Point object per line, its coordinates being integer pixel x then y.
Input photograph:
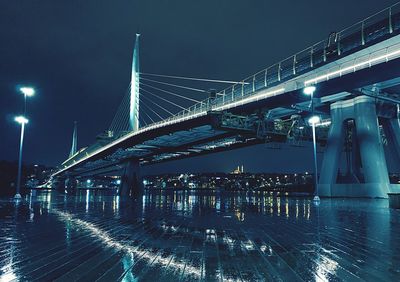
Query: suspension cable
{"type": "Point", "coordinates": [155, 103]}
{"type": "Point", "coordinates": [175, 85]}
{"type": "Point", "coordinates": [171, 93]}
{"type": "Point", "coordinates": [124, 120]}
{"type": "Point", "coordinates": [143, 111]}
{"type": "Point", "coordinates": [146, 106]}
{"type": "Point", "coordinates": [124, 123]}
{"type": "Point", "coordinates": [143, 121]}
{"type": "Point", "coordinates": [118, 117]}
{"type": "Point", "coordinates": [147, 115]}
{"type": "Point", "coordinates": [159, 97]}
{"type": "Point", "coordinates": [196, 79]}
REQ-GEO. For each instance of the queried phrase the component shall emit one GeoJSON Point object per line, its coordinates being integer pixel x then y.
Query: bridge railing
{"type": "Point", "coordinates": [366, 32]}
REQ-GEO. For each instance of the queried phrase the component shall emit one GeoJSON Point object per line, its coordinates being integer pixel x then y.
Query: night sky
{"type": "Point", "coordinates": [77, 54]}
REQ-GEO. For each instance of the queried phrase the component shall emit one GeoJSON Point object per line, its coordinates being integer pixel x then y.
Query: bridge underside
{"type": "Point", "coordinates": [276, 119]}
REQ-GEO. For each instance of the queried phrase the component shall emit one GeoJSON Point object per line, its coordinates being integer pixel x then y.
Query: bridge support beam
{"type": "Point", "coordinates": [131, 180]}
{"type": "Point", "coordinates": [367, 139]}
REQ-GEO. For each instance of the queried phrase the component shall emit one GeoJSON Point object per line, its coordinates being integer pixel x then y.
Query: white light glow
{"type": "Point", "coordinates": [252, 98]}
{"type": "Point", "coordinates": [309, 90]}
{"type": "Point", "coordinates": [314, 120]}
{"type": "Point", "coordinates": [364, 64]}
{"type": "Point", "coordinates": [324, 123]}
{"type": "Point", "coordinates": [107, 239]}
{"type": "Point", "coordinates": [27, 91]}
{"type": "Point", "coordinates": [21, 120]}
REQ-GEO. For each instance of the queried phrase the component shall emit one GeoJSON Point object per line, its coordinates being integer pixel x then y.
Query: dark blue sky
{"type": "Point", "coordinates": [78, 56]}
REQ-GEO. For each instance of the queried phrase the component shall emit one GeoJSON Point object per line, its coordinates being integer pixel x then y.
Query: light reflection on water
{"type": "Point", "coordinates": [197, 235]}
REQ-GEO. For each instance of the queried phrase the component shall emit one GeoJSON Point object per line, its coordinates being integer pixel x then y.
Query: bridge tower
{"type": "Point", "coordinates": [355, 125]}
{"type": "Point", "coordinates": [134, 93]}
{"type": "Point", "coordinates": [131, 180]}
{"type": "Point", "coordinates": [74, 141]}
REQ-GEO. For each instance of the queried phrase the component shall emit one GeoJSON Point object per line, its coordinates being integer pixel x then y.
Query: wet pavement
{"type": "Point", "coordinates": [182, 236]}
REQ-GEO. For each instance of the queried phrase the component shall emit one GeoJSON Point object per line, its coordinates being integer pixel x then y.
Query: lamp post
{"type": "Point", "coordinates": [22, 121]}
{"type": "Point", "coordinates": [309, 90]}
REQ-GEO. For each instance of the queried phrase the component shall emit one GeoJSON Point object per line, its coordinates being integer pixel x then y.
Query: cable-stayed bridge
{"type": "Point", "coordinates": [356, 75]}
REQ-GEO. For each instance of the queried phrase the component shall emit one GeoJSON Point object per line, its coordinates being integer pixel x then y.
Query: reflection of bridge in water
{"type": "Point", "coordinates": [356, 75]}
{"type": "Point", "coordinates": [178, 235]}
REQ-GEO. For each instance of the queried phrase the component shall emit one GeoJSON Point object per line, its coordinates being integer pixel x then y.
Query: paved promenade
{"type": "Point", "coordinates": [183, 236]}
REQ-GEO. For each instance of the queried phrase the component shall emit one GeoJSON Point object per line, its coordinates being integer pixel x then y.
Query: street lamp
{"type": "Point", "coordinates": [313, 120]}
{"type": "Point", "coordinates": [309, 90]}
{"type": "Point", "coordinates": [28, 92]}
{"type": "Point", "coordinates": [22, 121]}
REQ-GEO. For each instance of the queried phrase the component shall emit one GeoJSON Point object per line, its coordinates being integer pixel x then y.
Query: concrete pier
{"type": "Point", "coordinates": [131, 180]}
{"type": "Point", "coordinates": [362, 111]}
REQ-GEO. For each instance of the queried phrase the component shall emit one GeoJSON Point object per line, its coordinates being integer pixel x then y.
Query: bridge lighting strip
{"type": "Point", "coordinates": [323, 123]}
{"type": "Point", "coordinates": [353, 67]}
{"type": "Point", "coordinates": [251, 99]}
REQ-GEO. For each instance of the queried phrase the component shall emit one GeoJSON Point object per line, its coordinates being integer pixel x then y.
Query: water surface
{"type": "Point", "coordinates": [182, 236]}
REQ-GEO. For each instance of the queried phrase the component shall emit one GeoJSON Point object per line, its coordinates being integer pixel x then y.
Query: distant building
{"type": "Point", "coordinates": [238, 170]}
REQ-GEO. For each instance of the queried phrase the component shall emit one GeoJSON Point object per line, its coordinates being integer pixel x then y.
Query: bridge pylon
{"type": "Point", "coordinates": [355, 127]}
{"type": "Point", "coordinates": [134, 90]}
{"type": "Point", "coordinates": [74, 140]}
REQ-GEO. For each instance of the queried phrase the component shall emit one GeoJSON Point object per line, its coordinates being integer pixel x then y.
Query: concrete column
{"type": "Point", "coordinates": [131, 180]}
{"type": "Point", "coordinates": [371, 160]}
{"type": "Point", "coordinates": [70, 184]}
{"type": "Point", "coordinates": [332, 153]}
{"type": "Point", "coordinates": [59, 184]}
{"type": "Point", "coordinates": [371, 148]}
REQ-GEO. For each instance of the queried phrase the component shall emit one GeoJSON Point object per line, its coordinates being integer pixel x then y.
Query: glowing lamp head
{"type": "Point", "coordinates": [27, 91]}
{"type": "Point", "coordinates": [314, 120]}
{"type": "Point", "coordinates": [309, 90]}
{"type": "Point", "coordinates": [21, 119]}
{"type": "Point", "coordinates": [88, 181]}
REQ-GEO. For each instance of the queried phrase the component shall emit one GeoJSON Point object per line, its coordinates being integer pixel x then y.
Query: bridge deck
{"type": "Point", "coordinates": [365, 54]}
